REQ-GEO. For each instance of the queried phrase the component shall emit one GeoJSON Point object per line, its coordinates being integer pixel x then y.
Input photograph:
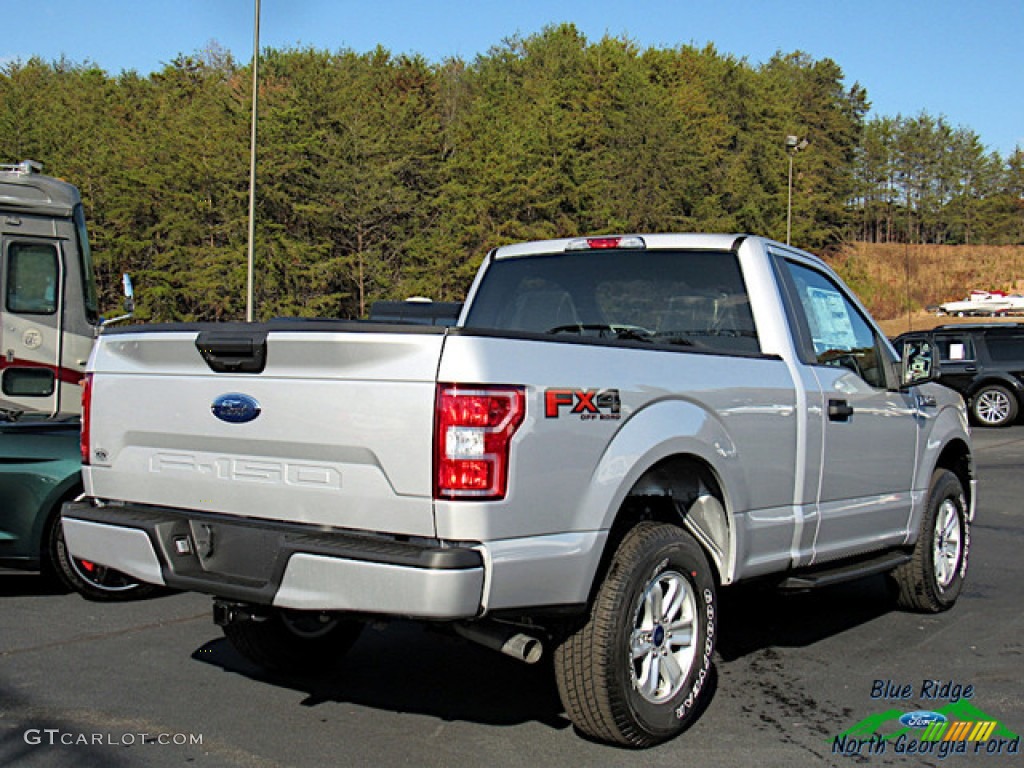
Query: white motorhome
{"type": "Point", "coordinates": [49, 310]}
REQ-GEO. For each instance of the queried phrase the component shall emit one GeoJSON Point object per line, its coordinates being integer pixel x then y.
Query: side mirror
{"type": "Point", "coordinates": [129, 293]}
{"type": "Point", "coordinates": [920, 363]}
{"type": "Point", "coordinates": [129, 302]}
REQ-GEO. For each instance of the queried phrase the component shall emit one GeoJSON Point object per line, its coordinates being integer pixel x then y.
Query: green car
{"type": "Point", "coordinates": [40, 469]}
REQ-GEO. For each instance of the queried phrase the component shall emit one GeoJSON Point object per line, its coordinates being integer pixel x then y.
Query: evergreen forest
{"type": "Point", "coordinates": [382, 176]}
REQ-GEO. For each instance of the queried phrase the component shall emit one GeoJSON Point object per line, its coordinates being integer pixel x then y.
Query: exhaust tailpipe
{"type": "Point", "coordinates": [507, 640]}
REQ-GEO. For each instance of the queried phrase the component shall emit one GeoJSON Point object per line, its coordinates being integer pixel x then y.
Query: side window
{"type": "Point", "coordinates": [32, 275]}
{"type": "Point", "coordinates": [1005, 349]}
{"type": "Point", "coordinates": [28, 382]}
{"type": "Point", "coordinates": [955, 349]}
{"type": "Point", "coordinates": [92, 311]}
{"type": "Point", "coordinates": [840, 335]}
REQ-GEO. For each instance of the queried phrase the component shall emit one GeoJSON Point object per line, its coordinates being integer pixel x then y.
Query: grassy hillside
{"type": "Point", "coordinates": [898, 282]}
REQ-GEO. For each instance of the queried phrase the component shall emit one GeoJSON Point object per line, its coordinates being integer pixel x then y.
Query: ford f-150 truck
{"type": "Point", "coordinates": [614, 429]}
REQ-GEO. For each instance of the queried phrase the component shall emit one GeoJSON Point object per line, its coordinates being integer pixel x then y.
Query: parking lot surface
{"type": "Point", "coordinates": [153, 683]}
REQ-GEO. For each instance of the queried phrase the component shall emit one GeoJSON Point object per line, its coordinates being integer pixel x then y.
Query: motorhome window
{"type": "Point", "coordinates": [91, 301]}
{"type": "Point", "coordinates": [32, 278]}
{"type": "Point", "coordinates": [28, 382]}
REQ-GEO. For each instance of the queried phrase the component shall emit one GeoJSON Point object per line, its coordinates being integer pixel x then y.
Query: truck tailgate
{"type": "Point", "coordinates": [342, 435]}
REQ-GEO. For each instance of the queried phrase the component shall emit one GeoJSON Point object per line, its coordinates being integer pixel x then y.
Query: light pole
{"type": "Point", "coordinates": [250, 266]}
{"type": "Point", "coordinates": [793, 145]}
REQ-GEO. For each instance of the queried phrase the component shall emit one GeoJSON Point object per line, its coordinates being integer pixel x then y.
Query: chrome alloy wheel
{"type": "Point", "coordinates": [101, 577]}
{"type": "Point", "coordinates": [661, 644]}
{"type": "Point", "coordinates": [947, 544]}
{"type": "Point", "coordinates": [993, 407]}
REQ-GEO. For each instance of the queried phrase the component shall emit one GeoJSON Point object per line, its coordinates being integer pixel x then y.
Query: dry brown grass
{"type": "Point", "coordinates": [898, 282]}
{"type": "Point", "coordinates": [921, 321]}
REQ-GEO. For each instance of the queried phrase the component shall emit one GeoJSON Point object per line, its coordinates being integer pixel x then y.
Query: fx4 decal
{"type": "Point", "coordinates": [585, 403]}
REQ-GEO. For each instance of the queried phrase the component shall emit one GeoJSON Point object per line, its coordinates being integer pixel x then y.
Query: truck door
{"type": "Point", "coordinates": [869, 429]}
{"type": "Point", "coordinates": [32, 285]}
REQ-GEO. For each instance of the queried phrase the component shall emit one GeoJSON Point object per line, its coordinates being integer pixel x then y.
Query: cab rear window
{"type": "Point", "coordinates": [686, 299]}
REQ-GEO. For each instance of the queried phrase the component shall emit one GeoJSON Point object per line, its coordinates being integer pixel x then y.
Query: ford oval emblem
{"type": "Point", "coordinates": [922, 718]}
{"type": "Point", "coordinates": [235, 408]}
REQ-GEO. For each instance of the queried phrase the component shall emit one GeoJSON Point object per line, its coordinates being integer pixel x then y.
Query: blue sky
{"type": "Point", "coordinates": [956, 58]}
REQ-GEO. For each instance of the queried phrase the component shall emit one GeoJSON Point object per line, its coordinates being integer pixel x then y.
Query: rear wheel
{"type": "Point", "coordinates": [994, 406]}
{"type": "Point", "coordinates": [294, 642]}
{"type": "Point", "coordinates": [637, 672]}
{"type": "Point", "coordinates": [89, 579]}
{"type": "Point", "coordinates": [932, 580]}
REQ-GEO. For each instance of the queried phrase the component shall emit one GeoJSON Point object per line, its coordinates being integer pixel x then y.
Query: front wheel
{"type": "Point", "coordinates": [294, 642]}
{"type": "Point", "coordinates": [931, 581]}
{"type": "Point", "coordinates": [637, 672]}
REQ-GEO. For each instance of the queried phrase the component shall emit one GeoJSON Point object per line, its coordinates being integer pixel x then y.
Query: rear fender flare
{"type": "Point", "coordinates": [661, 432]}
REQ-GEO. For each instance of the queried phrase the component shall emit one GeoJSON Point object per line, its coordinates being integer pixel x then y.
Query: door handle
{"type": "Point", "coordinates": [839, 410]}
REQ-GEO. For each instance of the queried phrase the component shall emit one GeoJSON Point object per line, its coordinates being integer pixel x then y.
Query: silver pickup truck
{"type": "Point", "coordinates": [614, 429]}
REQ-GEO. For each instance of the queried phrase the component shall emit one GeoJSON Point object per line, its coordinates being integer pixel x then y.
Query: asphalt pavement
{"type": "Point", "coordinates": [154, 683]}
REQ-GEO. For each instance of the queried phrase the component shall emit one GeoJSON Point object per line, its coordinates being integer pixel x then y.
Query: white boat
{"type": "Point", "coordinates": [984, 303]}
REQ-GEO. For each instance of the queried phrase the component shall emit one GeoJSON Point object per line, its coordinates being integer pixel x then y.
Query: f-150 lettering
{"type": "Point", "coordinates": [241, 470]}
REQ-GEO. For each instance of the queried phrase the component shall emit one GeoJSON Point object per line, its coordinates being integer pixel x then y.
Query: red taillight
{"type": "Point", "coordinates": [603, 242]}
{"type": "Point", "coordinates": [86, 413]}
{"type": "Point", "coordinates": [473, 434]}
{"type": "Point", "coordinates": [626, 242]}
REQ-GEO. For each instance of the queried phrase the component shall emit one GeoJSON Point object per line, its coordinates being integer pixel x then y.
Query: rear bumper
{"type": "Point", "coordinates": [288, 566]}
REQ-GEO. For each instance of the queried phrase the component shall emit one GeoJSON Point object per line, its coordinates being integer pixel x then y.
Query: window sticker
{"type": "Point", "coordinates": [833, 325]}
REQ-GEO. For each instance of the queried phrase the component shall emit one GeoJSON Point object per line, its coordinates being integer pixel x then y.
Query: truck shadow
{"type": "Point", "coordinates": [405, 667]}
{"type": "Point", "coordinates": [755, 618]}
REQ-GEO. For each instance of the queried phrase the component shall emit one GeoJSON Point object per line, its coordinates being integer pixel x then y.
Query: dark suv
{"type": "Point", "coordinates": [985, 363]}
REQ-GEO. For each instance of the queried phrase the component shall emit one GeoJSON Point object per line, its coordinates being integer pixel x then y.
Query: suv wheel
{"type": "Point", "coordinates": [994, 406]}
{"type": "Point", "coordinates": [637, 673]}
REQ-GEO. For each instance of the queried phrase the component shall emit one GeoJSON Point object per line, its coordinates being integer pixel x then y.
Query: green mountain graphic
{"type": "Point", "coordinates": [872, 725]}
{"type": "Point", "coordinates": [879, 724]}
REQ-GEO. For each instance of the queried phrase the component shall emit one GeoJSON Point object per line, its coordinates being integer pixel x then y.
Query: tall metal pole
{"type": "Point", "coordinates": [789, 204]}
{"type": "Point", "coordinates": [250, 279]}
{"type": "Point", "coordinates": [793, 145]}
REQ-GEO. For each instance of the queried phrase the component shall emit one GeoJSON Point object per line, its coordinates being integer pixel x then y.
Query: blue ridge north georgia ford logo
{"type": "Point", "coordinates": [235, 408]}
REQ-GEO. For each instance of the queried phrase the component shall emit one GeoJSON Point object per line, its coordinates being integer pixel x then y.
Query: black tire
{"type": "Point", "coordinates": [294, 642]}
{"type": "Point", "coordinates": [932, 580]}
{"type": "Point", "coordinates": [91, 580]}
{"type": "Point", "coordinates": [994, 406]}
{"type": "Point", "coordinates": [624, 679]}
